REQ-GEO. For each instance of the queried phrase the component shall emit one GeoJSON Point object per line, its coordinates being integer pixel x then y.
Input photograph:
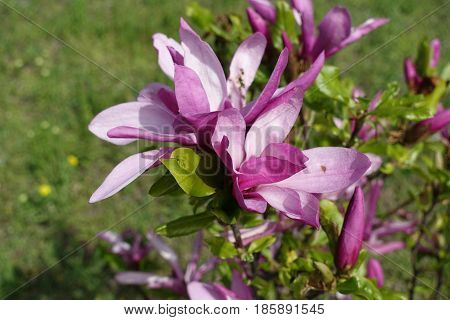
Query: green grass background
{"type": "Point", "coordinates": [49, 93]}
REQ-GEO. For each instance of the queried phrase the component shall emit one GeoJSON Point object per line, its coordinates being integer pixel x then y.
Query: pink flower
{"type": "Point", "coordinates": [204, 291]}
{"type": "Point", "coordinates": [187, 114]}
{"type": "Point", "coordinates": [335, 30]}
{"type": "Point", "coordinates": [265, 170]}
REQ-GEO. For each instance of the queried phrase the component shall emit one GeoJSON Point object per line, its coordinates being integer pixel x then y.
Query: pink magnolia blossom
{"type": "Point", "coordinates": [335, 32]}
{"type": "Point", "coordinates": [187, 114]}
{"type": "Point", "coordinates": [416, 79]}
{"type": "Point", "coordinates": [265, 170]}
{"type": "Point", "coordinates": [205, 291]}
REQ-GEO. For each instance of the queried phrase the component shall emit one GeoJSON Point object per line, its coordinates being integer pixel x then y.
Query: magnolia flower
{"type": "Point", "coordinates": [183, 281]}
{"type": "Point", "coordinates": [418, 80]}
{"type": "Point", "coordinates": [204, 291]}
{"type": "Point", "coordinates": [351, 237]}
{"type": "Point", "coordinates": [335, 30]}
{"type": "Point", "coordinates": [187, 114]}
{"type": "Point", "coordinates": [131, 253]}
{"type": "Point", "coordinates": [265, 170]}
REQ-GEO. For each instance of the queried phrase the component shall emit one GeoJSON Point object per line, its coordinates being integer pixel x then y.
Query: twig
{"type": "Point", "coordinates": [239, 245]}
{"type": "Point", "coordinates": [415, 248]}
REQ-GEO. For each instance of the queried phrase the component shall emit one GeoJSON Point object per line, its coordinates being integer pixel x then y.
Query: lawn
{"type": "Point", "coordinates": [50, 163]}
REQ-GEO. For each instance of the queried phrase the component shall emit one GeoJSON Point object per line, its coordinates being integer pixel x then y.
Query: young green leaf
{"type": "Point", "coordinates": [186, 225]}
{"type": "Point", "coordinates": [183, 164]}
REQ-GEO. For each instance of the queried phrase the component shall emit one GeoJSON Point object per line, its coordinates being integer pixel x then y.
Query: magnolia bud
{"type": "Point", "coordinates": [375, 271]}
{"type": "Point", "coordinates": [258, 24]}
{"type": "Point", "coordinates": [424, 128]}
{"type": "Point", "coordinates": [351, 237]}
{"type": "Point", "coordinates": [265, 9]}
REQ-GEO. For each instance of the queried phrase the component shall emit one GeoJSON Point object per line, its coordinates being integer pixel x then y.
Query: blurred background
{"type": "Point", "coordinates": [50, 163]}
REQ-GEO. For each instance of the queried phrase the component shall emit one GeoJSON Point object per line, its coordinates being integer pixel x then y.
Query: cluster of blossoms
{"type": "Point", "coordinates": [335, 31]}
{"type": "Point", "coordinates": [207, 111]}
{"type": "Point", "coordinates": [247, 135]}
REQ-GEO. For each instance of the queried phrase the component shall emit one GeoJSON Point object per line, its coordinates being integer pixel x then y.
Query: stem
{"type": "Point", "coordinates": [239, 245]}
{"type": "Point", "coordinates": [358, 126]}
{"type": "Point", "coordinates": [415, 248]}
{"type": "Point", "coordinates": [237, 237]}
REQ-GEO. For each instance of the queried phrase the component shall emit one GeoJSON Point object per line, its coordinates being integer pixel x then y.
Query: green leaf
{"type": "Point", "coordinates": [423, 58]}
{"type": "Point", "coordinates": [391, 295]}
{"type": "Point", "coordinates": [409, 107]}
{"type": "Point", "coordinates": [186, 225]}
{"type": "Point", "coordinates": [328, 82]}
{"type": "Point", "coordinates": [183, 164]}
{"type": "Point", "coordinates": [166, 185]}
{"type": "Point", "coordinates": [360, 287]}
{"type": "Point", "coordinates": [331, 221]}
{"type": "Point", "coordinates": [445, 75]}
{"type": "Point", "coordinates": [222, 248]}
{"type": "Point", "coordinates": [303, 265]}
{"type": "Point", "coordinates": [261, 244]}
{"type": "Point", "coordinates": [285, 22]}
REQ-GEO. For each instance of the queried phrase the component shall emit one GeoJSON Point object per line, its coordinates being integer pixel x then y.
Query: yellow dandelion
{"type": "Point", "coordinates": [44, 190]}
{"type": "Point", "coordinates": [72, 160]}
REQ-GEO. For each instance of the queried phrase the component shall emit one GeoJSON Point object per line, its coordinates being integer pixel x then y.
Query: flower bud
{"type": "Point", "coordinates": [424, 128]}
{"type": "Point", "coordinates": [258, 24]}
{"type": "Point", "coordinates": [265, 9]}
{"type": "Point", "coordinates": [287, 42]}
{"type": "Point", "coordinates": [410, 72]}
{"type": "Point", "coordinates": [435, 53]}
{"type": "Point", "coordinates": [351, 237]}
{"type": "Point", "coordinates": [375, 271]}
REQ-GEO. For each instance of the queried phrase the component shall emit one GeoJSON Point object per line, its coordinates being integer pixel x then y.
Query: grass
{"type": "Point", "coordinates": [50, 91]}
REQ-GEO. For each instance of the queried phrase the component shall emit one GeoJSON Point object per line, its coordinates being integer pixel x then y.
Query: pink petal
{"type": "Point", "coordinates": [240, 289]}
{"type": "Point", "coordinates": [436, 52]}
{"type": "Point", "coordinates": [250, 202]}
{"type": "Point", "coordinates": [384, 248]}
{"type": "Point", "coordinates": [274, 125]}
{"type": "Point", "coordinates": [265, 170]}
{"type": "Point", "coordinates": [265, 9]}
{"type": "Point", "coordinates": [305, 8]}
{"type": "Point", "coordinates": [136, 133]}
{"type": "Point", "coordinates": [254, 109]}
{"type": "Point", "coordinates": [258, 24]}
{"type": "Point", "coordinates": [157, 93]}
{"type": "Point", "coordinates": [294, 204]}
{"type": "Point", "coordinates": [231, 125]}
{"type": "Point", "coordinates": [251, 234]}
{"type": "Point", "coordinates": [166, 252]}
{"type": "Point", "coordinates": [144, 115]}
{"type": "Point", "coordinates": [375, 271]}
{"type": "Point", "coordinates": [243, 67]}
{"type": "Point", "coordinates": [306, 79]}
{"type": "Point", "coordinates": [334, 28]}
{"type": "Point", "coordinates": [161, 43]}
{"type": "Point", "coordinates": [205, 291]}
{"type": "Point", "coordinates": [127, 171]}
{"type": "Point", "coordinates": [329, 169]}
{"type": "Point", "coordinates": [189, 91]}
{"type": "Point", "coordinates": [285, 151]}
{"type": "Point", "coordinates": [203, 61]}
{"type": "Point", "coordinates": [359, 32]}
